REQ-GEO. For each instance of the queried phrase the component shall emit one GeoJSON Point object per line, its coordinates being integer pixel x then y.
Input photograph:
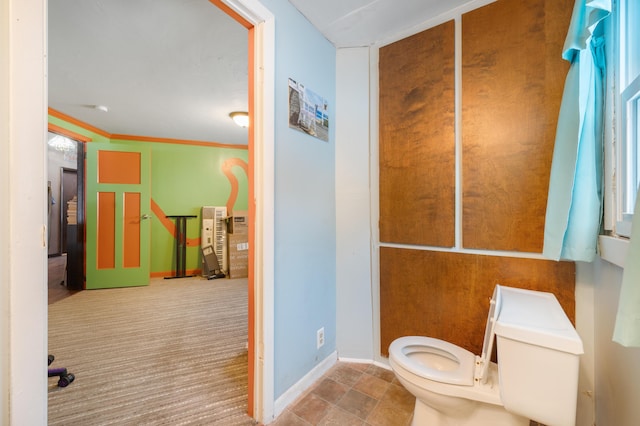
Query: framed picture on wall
{"type": "Point", "coordinates": [308, 111]}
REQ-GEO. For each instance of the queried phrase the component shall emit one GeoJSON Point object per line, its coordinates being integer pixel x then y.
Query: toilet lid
{"type": "Point", "coordinates": [489, 333]}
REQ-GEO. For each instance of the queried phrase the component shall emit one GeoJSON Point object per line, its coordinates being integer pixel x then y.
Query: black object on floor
{"type": "Point", "coordinates": [181, 245]}
{"type": "Point", "coordinates": [65, 378]}
{"type": "Point", "coordinates": [211, 264]}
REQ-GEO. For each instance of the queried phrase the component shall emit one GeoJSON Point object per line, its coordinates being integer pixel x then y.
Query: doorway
{"type": "Point", "coordinates": [62, 185]}
{"type": "Point", "coordinates": [158, 123]}
{"type": "Point", "coordinates": [65, 216]}
{"type": "Point", "coordinates": [68, 204]}
{"type": "Point", "coordinates": [25, 108]}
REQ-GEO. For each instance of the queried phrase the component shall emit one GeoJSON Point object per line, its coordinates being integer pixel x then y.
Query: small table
{"type": "Point", "coordinates": [181, 245]}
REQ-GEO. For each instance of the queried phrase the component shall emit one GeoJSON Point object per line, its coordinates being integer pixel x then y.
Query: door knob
{"type": "Point", "coordinates": [146, 216]}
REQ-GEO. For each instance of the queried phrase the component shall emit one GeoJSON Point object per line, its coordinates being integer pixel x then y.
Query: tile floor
{"type": "Point", "coordinates": [352, 394]}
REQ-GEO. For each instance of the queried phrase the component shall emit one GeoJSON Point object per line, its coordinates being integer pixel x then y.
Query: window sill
{"type": "Point", "coordinates": [613, 249]}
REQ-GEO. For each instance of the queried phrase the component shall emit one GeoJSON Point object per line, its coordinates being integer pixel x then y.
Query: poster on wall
{"type": "Point", "coordinates": [308, 111]}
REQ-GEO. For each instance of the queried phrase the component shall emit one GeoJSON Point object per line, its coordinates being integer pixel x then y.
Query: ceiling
{"type": "Point", "coordinates": [352, 23]}
{"type": "Point", "coordinates": [177, 68]}
{"type": "Point", "coordinates": [164, 68]}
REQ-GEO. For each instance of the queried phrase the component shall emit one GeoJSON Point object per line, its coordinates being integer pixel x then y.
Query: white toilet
{"type": "Point", "coordinates": [536, 376]}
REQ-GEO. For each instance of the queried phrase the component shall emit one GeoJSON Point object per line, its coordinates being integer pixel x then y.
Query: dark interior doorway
{"type": "Point", "coordinates": [68, 203]}
{"type": "Point", "coordinates": [66, 211]}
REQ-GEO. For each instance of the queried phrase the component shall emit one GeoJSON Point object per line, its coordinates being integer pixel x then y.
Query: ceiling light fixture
{"type": "Point", "coordinates": [102, 108]}
{"type": "Point", "coordinates": [60, 143]}
{"type": "Point", "coordinates": [241, 118]}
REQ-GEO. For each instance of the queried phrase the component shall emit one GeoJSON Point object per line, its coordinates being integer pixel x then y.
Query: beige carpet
{"type": "Point", "coordinates": [171, 353]}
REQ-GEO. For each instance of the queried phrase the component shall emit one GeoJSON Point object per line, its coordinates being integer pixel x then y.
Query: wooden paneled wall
{"type": "Point", "coordinates": [512, 77]}
{"type": "Point", "coordinates": [512, 83]}
{"type": "Point", "coordinates": [417, 139]}
{"type": "Point", "coordinates": [446, 295]}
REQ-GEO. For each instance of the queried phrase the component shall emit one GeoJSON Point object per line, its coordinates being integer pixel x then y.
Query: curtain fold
{"type": "Point", "coordinates": [574, 206]}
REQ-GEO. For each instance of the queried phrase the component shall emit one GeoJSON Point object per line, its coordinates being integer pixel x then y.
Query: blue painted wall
{"type": "Point", "coordinates": [305, 223]}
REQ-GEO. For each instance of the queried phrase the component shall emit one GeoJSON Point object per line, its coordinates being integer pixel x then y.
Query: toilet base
{"type": "Point", "coordinates": [482, 414]}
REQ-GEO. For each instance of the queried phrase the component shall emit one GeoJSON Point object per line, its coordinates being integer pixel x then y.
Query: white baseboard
{"type": "Point", "coordinates": [384, 365]}
{"type": "Point", "coordinates": [303, 384]}
{"type": "Point", "coordinates": [355, 360]}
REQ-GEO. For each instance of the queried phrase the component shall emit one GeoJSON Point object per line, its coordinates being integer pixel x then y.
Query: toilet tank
{"type": "Point", "coordinates": [538, 357]}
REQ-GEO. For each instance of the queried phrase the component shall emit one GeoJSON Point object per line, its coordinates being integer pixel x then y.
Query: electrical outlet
{"type": "Point", "coordinates": [320, 338]}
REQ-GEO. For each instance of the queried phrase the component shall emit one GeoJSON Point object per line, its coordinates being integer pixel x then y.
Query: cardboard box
{"type": "Point", "coordinates": [238, 255]}
{"type": "Point", "coordinates": [238, 223]}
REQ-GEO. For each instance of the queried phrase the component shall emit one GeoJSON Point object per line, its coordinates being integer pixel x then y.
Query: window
{"type": "Point", "coordinates": [628, 95]}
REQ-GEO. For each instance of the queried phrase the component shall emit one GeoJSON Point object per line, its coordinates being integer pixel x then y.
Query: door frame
{"type": "Point", "coordinates": [261, 205]}
{"type": "Point", "coordinates": [23, 106]}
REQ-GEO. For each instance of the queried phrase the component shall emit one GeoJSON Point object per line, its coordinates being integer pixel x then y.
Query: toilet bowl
{"type": "Point", "coordinates": [442, 377]}
{"type": "Point", "coordinates": [453, 386]}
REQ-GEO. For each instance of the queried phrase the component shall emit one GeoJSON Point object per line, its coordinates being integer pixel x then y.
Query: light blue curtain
{"type": "Point", "coordinates": [574, 206]}
{"type": "Point", "coordinates": [627, 328]}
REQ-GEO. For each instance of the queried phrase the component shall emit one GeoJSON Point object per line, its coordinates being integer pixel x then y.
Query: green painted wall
{"type": "Point", "coordinates": [183, 179]}
{"type": "Point", "coordinates": [95, 137]}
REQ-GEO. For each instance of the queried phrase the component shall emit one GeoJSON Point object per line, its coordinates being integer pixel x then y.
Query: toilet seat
{"type": "Point", "coordinates": [465, 372]}
{"type": "Point", "coordinates": [460, 371]}
{"type": "Point", "coordinates": [457, 382]}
